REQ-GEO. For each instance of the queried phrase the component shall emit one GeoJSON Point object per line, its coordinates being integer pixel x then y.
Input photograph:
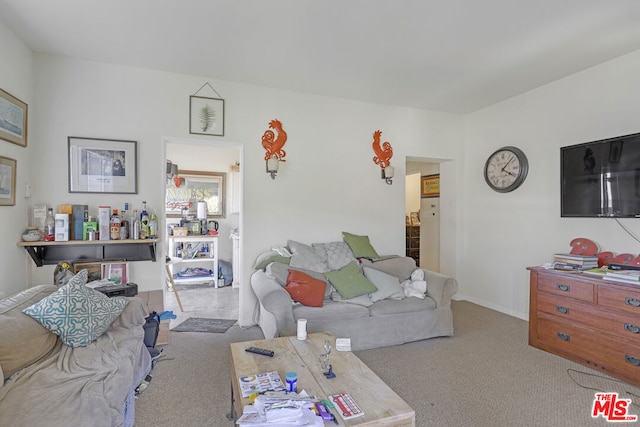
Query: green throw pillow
{"type": "Point", "coordinates": [360, 245]}
{"type": "Point", "coordinates": [350, 282]}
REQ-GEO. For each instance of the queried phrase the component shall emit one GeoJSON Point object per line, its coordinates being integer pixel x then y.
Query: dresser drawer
{"type": "Point", "coordinates": [627, 325]}
{"type": "Point", "coordinates": [598, 350]}
{"type": "Point", "coordinates": [566, 285]}
{"type": "Point", "coordinates": [619, 298]}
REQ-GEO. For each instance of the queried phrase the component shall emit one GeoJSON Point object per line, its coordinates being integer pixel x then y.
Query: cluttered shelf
{"type": "Point", "coordinates": [49, 253]}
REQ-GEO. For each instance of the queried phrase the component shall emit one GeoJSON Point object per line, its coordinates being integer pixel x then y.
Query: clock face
{"type": "Point", "coordinates": [506, 169]}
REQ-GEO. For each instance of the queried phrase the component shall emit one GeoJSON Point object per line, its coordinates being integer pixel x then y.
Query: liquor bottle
{"type": "Point", "coordinates": [114, 225]}
{"type": "Point", "coordinates": [124, 226]}
{"type": "Point", "coordinates": [135, 225]}
{"type": "Point", "coordinates": [49, 226]}
{"type": "Point", "coordinates": [153, 226]}
{"type": "Point", "coordinates": [144, 220]}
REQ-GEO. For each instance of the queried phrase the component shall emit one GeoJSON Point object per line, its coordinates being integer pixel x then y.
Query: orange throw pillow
{"type": "Point", "coordinates": [305, 289]}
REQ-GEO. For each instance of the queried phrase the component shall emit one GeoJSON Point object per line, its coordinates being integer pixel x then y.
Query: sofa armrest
{"type": "Point", "coordinates": [440, 287]}
{"type": "Point", "coordinates": [275, 300]}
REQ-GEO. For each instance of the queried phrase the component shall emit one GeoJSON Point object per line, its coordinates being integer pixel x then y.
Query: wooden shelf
{"type": "Point", "coordinates": [49, 253]}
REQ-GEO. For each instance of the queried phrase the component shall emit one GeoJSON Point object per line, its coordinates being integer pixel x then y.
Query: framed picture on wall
{"type": "Point", "coordinates": [193, 187]}
{"type": "Point", "coordinates": [7, 181]}
{"type": "Point", "coordinates": [115, 272]}
{"type": "Point", "coordinates": [14, 115]}
{"type": "Point", "coordinates": [430, 186]}
{"type": "Point", "coordinates": [206, 116]}
{"type": "Point", "coordinates": [102, 166]}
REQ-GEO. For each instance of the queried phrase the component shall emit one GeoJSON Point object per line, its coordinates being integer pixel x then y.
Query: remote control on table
{"type": "Point", "coordinates": [261, 351]}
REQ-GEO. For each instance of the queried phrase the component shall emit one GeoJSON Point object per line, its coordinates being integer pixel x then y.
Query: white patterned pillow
{"type": "Point", "coordinates": [76, 313]}
{"type": "Point", "coordinates": [338, 254]}
{"type": "Point", "coordinates": [306, 257]}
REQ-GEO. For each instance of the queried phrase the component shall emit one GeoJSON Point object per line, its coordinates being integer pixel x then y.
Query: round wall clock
{"type": "Point", "coordinates": [506, 169]}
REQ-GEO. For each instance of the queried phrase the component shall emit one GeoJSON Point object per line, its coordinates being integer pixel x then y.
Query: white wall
{"type": "Point", "coordinates": [16, 78]}
{"type": "Point", "coordinates": [502, 234]}
{"type": "Point", "coordinates": [328, 184]}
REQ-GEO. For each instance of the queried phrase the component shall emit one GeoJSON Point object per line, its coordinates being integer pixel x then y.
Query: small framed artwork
{"type": "Point", "coordinates": [94, 269]}
{"type": "Point", "coordinates": [430, 186]}
{"type": "Point", "coordinates": [206, 116]}
{"type": "Point", "coordinates": [14, 115]}
{"type": "Point", "coordinates": [102, 166]}
{"type": "Point", "coordinates": [7, 181]}
{"type": "Point", "coordinates": [115, 272]}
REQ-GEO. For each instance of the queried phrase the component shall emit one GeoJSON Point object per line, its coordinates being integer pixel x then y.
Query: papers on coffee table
{"type": "Point", "coordinates": [260, 383]}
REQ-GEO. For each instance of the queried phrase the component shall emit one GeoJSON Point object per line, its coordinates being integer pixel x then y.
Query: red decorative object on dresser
{"type": "Point", "coordinates": [586, 319]}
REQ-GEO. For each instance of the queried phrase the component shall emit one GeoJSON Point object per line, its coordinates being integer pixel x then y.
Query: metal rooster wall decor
{"type": "Point", "coordinates": [273, 144]}
{"type": "Point", "coordinates": [383, 156]}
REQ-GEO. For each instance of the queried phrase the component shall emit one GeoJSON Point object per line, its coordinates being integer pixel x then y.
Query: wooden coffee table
{"type": "Point", "coordinates": [381, 405]}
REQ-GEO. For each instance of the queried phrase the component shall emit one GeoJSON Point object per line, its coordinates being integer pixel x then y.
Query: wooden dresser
{"type": "Point", "coordinates": [586, 319]}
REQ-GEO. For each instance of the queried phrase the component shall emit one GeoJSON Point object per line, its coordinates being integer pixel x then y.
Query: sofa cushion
{"type": "Point", "coordinates": [399, 266]}
{"type": "Point", "coordinates": [388, 285]}
{"type": "Point", "coordinates": [305, 256]}
{"type": "Point", "coordinates": [76, 313]}
{"type": "Point", "coordinates": [337, 254]}
{"type": "Point", "coordinates": [350, 282]}
{"type": "Point", "coordinates": [305, 289]}
{"type": "Point", "coordinates": [360, 245]}
{"type": "Point", "coordinates": [363, 300]}
{"type": "Point", "coordinates": [23, 341]}
{"type": "Point", "coordinates": [330, 311]}
{"type": "Point", "coordinates": [389, 307]}
{"type": "Point", "coordinates": [280, 272]}
{"type": "Point", "coordinates": [267, 258]}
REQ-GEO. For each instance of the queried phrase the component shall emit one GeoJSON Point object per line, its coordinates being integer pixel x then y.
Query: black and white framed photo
{"type": "Point", "coordinates": [7, 181]}
{"type": "Point", "coordinates": [102, 165]}
{"type": "Point", "coordinates": [206, 116]}
{"type": "Point", "coordinates": [13, 119]}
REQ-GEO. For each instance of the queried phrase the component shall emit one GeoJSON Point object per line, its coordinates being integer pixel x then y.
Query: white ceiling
{"type": "Point", "coordinates": [446, 55]}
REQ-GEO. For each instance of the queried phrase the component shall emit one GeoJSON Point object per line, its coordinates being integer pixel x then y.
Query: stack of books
{"type": "Point", "coordinates": [574, 262]}
{"type": "Point", "coordinates": [623, 276]}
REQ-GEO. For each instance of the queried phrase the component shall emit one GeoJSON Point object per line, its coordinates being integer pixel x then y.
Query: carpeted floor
{"type": "Point", "coordinates": [486, 375]}
{"type": "Point", "coordinates": [199, 324]}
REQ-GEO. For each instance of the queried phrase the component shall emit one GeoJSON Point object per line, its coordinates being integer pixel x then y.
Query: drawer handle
{"type": "Point", "coordinates": [632, 360]}
{"type": "Point", "coordinates": [634, 302]}
{"type": "Point", "coordinates": [563, 336]}
{"type": "Point", "coordinates": [631, 328]}
{"type": "Point", "coordinates": [562, 287]}
{"type": "Point", "coordinates": [561, 309]}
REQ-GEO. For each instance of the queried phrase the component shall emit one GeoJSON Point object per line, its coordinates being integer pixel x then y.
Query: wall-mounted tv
{"type": "Point", "coordinates": [601, 178]}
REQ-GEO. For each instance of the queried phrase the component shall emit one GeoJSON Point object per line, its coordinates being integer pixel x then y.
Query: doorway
{"type": "Point", "coordinates": [208, 298]}
{"type": "Point", "coordinates": [423, 215]}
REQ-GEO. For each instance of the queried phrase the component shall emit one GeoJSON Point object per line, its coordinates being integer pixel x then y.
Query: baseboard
{"type": "Point", "coordinates": [498, 308]}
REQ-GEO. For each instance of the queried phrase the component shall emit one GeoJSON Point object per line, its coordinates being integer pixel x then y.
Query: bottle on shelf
{"type": "Point", "coordinates": [135, 226]}
{"type": "Point", "coordinates": [49, 226]}
{"type": "Point", "coordinates": [144, 221]}
{"type": "Point", "coordinates": [114, 225]}
{"type": "Point", "coordinates": [124, 226]}
{"type": "Point", "coordinates": [153, 226]}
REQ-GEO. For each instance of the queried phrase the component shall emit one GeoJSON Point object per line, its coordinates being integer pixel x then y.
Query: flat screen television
{"type": "Point", "coordinates": [601, 179]}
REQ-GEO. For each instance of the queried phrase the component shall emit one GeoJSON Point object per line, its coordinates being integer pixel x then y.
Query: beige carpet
{"type": "Point", "coordinates": [486, 375]}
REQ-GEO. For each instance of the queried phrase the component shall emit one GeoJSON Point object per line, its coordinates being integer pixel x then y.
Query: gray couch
{"type": "Point", "coordinates": [374, 323]}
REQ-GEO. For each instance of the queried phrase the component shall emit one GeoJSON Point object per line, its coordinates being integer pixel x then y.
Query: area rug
{"type": "Point", "coordinates": [199, 324]}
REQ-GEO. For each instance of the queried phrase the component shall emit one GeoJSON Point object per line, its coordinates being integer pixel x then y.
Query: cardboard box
{"type": "Point", "coordinates": [65, 209]}
{"type": "Point", "coordinates": [104, 216]}
{"type": "Point", "coordinates": [92, 225]}
{"type": "Point", "coordinates": [79, 216]}
{"type": "Point", "coordinates": [180, 231]}
{"type": "Point", "coordinates": [163, 335]}
{"type": "Point", "coordinates": [62, 227]}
